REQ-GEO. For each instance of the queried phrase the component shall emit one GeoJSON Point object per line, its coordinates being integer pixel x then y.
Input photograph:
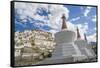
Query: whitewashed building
{"type": "Point", "coordinates": [32, 44]}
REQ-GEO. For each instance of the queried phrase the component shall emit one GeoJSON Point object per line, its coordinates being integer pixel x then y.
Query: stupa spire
{"type": "Point", "coordinates": [64, 26]}
{"type": "Point", "coordinates": [85, 37]}
{"type": "Point", "coordinates": [78, 34]}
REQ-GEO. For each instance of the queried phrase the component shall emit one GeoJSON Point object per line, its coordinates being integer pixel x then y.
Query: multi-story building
{"type": "Point", "coordinates": [33, 43]}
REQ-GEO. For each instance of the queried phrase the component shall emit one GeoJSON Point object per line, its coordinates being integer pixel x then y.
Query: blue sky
{"type": "Point", "coordinates": [78, 11]}
{"type": "Point", "coordinates": [47, 17]}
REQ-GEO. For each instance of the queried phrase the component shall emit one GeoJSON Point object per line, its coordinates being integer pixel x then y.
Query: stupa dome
{"type": "Point", "coordinates": [65, 35]}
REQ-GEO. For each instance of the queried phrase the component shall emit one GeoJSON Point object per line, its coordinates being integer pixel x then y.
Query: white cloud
{"type": "Point", "coordinates": [95, 28]}
{"type": "Point", "coordinates": [30, 10]}
{"type": "Point", "coordinates": [82, 29]}
{"type": "Point", "coordinates": [88, 9]}
{"type": "Point", "coordinates": [74, 19]}
{"type": "Point", "coordinates": [94, 18]}
{"type": "Point", "coordinates": [57, 28]}
{"type": "Point", "coordinates": [92, 38]}
{"type": "Point", "coordinates": [85, 23]}
{"type": "Point", "coordinates": [56, 14]}
{"type": "Point", "coordinates": [71, 26]}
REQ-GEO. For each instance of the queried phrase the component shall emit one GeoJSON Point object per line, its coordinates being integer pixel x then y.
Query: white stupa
{"type": "Point", "coordinates": [65, 43]}
{"type": "Point", "coordinates": [84, 47]}
{"type": "Point", "coordinates": [69, 49]}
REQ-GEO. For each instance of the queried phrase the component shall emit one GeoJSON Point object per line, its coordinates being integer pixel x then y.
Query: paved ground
{"type": "Point", "coordinates": [57, 60]}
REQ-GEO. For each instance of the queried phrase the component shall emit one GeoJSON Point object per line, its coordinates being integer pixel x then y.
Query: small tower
{"type": "Point", "coordinates": [64, 26]}
{"type": "Point", "coordinates": [85, 37]}
{"type": "Point", "coordinates": [78, 34]}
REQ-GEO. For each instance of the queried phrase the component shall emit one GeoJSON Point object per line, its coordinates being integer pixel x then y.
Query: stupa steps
{"type": "Point", "coordinates": [64, 50]}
